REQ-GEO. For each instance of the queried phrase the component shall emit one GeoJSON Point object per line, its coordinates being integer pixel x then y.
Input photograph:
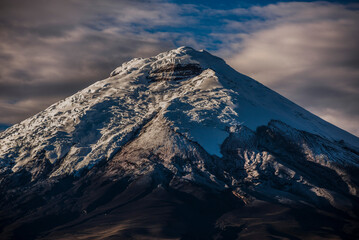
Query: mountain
{"type": "Point", "coordinates": [178, 146]}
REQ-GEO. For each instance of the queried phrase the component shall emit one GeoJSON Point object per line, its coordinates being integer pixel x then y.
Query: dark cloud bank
{"type": "Point", "coordinates": [306, 51]}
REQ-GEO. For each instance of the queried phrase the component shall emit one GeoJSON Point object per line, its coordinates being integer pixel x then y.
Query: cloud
{"type": "Point", "coordinates": [306, 51]}
{"type": "Point", "coordinates": [49, 50]}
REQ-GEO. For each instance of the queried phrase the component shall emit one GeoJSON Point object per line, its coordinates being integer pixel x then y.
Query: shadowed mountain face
{"type": "Point", "coordinates": [178, 146]}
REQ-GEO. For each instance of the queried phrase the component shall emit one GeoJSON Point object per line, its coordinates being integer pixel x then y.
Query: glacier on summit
{"type": "Point", "coordinates": [202, 102]}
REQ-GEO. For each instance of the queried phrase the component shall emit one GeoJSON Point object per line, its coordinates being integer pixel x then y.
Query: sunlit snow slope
{"type": "Point", "coordinates": [196, 92]}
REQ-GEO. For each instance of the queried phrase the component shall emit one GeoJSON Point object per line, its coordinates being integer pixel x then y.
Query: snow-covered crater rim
{"type": "Point", "coordinates": [180, 57]}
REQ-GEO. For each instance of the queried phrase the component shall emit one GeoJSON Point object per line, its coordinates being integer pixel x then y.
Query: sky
{"type": "Point", "coordinates": [307, 51]}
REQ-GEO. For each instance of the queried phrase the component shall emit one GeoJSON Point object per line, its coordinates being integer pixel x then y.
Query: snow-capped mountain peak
{"type": "Point", "coordinates": [180, 135]}
{"type": "Point", "coordinates": [196, 92]}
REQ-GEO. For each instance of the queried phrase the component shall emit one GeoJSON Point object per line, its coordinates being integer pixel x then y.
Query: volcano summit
{"type": "Point", "coordinates": [178, 146]}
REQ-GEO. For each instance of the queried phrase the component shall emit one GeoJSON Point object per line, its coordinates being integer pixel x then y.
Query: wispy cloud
{"type": "Point", "coordinates": [306, 51]}
{"type": "Point", "coordinates": [49, 50]}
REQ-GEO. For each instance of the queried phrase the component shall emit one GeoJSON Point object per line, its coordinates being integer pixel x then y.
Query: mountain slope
{"type": "Point", "coordinates": [185, 138]}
